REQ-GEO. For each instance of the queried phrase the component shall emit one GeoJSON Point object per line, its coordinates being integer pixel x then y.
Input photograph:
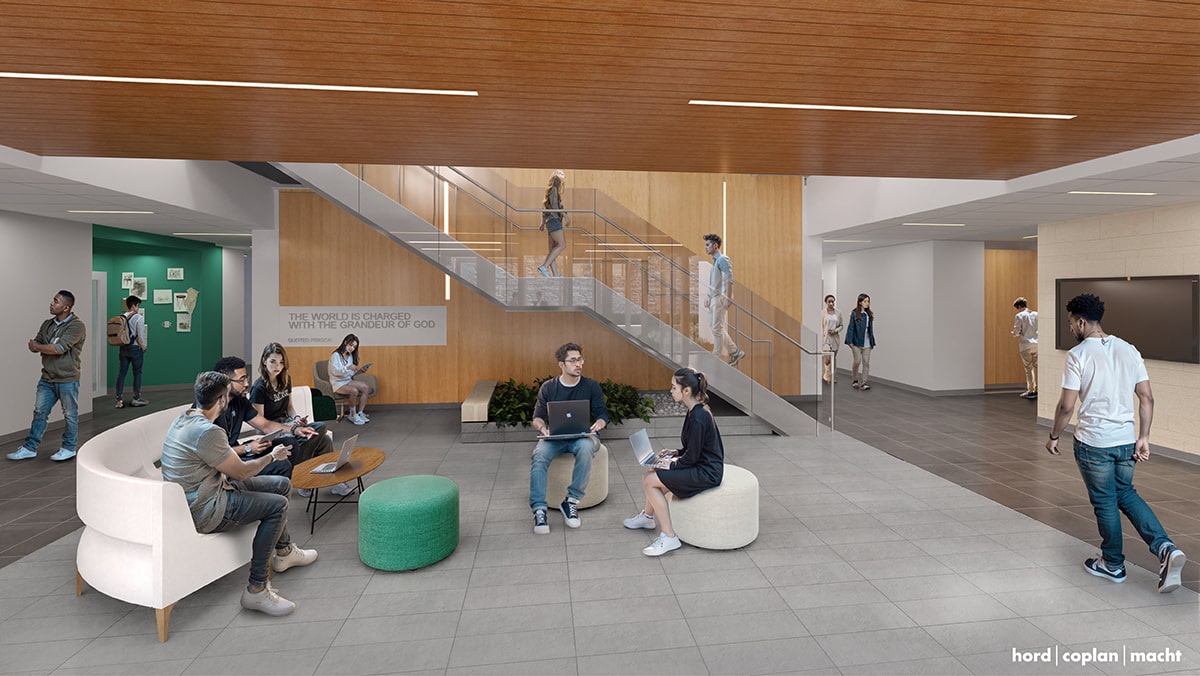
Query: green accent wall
{"type": "Point", "coordinates": [172, 358]}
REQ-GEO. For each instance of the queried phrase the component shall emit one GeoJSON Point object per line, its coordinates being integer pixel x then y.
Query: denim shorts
{"type": "Point", "coordinates": [554, 224]}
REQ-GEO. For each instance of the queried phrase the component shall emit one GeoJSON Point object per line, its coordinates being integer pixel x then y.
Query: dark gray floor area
{"type": "Point", "coordinates": [992, 445]}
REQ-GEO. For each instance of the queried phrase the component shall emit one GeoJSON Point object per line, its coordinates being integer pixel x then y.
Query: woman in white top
{"type": "Point", "coordinates": [343, 366]}
{"type": "Point", "coordinates": [831, 324]}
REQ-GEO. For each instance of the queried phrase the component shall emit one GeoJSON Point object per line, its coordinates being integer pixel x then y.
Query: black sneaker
{"type": "Point", "coordinates": [540, 525]}
{"type": "Point", "coordinates": [1170, 568]}
{"type": "Point", "coordinates": [570, 513]}
{"type": "Point", "coordinates": [1099, 568]}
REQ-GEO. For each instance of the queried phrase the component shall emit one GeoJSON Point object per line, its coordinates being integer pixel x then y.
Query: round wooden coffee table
{"type": "Point", "coordinates": [363, 460]}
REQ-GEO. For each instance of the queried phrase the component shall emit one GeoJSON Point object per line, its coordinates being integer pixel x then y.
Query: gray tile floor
{"type": "Point", "coordinates": [864, 564]}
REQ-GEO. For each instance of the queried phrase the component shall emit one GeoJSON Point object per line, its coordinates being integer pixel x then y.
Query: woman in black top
{"type": "Point", "coordinates": [696, 467]}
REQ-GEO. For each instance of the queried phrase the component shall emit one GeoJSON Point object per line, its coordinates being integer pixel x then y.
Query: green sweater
{"type": "Point", "coordinates": [67, 338]}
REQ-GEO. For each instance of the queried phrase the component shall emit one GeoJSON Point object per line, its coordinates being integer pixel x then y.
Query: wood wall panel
{"type": "Point", "coordinates": [483, 340]}
{"type": "Point", "coordinates": [1007, 274]}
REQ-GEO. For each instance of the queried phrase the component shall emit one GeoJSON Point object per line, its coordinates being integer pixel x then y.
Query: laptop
{"type": "Point", "coordinates": [343, 458]}
{"type": "Point", "coordinates": [642, 450]}
{"type": "Point", "coordinates": [569, 419]}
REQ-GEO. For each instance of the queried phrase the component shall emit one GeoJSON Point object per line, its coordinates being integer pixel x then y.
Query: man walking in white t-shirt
{"type": "Point", "coordinates": [1025, 328]}
{"type": "Point", "coordinates": [1103, 374]}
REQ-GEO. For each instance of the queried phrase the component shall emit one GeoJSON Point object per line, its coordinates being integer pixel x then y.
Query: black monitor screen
{"type": "Point", "coordinates": [1160, 316]}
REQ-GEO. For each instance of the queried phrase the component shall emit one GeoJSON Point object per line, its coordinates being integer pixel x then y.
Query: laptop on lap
{"type": "Point", "coordinates": [642, 449]}
{"type": "Point", "coordinates": [569, 419]}
{"type": "Point", "coordinates": [343, 458]}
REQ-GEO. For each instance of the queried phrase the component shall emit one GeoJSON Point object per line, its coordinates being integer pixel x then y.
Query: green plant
{"type": "Point", "coordinates": [512, 402]}
{"type": "Point", "coordinates": [624, 402]}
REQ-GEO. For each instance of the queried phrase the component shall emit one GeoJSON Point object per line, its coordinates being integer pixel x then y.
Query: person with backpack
{"type": "Point", "coordinates": [132, 351]}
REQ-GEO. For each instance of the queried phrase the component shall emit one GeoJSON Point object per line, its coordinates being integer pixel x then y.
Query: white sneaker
{"type": "Point", "coordinates": [642, 520]}
{"type": "Point", "coordinates": [267, 601]}
{"type": "Point", "coordinates": [357, 419]}
{"type": "Point", "coordinates": [294, 557]}
{"type": "Point", "coordinates": [22, 453]}
{"type": "Point", "coordinates": [344, 488]}
{"type": "Point", "coordinates": [303, 492]}
{"type": "Point", "coordinates": [661, 545]}
{"type": "Point", "coordinates": [62, 454]}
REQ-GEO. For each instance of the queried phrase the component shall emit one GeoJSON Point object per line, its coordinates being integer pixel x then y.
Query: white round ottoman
{"type": "Point", "coordinates": [558, 477]}
{"type": "Point", "coordinates": [725, 517]}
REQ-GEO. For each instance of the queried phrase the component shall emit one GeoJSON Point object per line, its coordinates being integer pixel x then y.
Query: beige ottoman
{"type": "Point", "coordinates": [725, 517]}
{"type": "Point", "coordinates": [558, 477]}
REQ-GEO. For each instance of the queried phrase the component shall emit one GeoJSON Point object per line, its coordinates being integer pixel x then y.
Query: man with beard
{"type": "Point", "coordinates": [224, 492]}
{"type": "Point", "coordinates": [1103, 374]}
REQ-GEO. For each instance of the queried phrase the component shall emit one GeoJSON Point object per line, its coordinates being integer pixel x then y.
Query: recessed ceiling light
{"type": "Point", "coordinates": [874, 109]}
{"type": "Point", "coordinates": [212, 234]}
{"type": "Point", "coordinates": [105, 211]}
{"type": "Point", "coordinates": [846, 241]}
{"type": "Point", "coordinates": [448, 242]}
{"type": "Point", "coordinates": [1106, 192]}
{"type": "Point", "coordinates": [235, 83]}
{"type": "Point", "coordinates": [938, 225]}
{"type": "Point", "coordinates": [1029, 237]}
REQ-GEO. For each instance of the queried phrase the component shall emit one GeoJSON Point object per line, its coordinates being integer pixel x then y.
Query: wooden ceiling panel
{"type": "Point", "coordinates": [570, 83]}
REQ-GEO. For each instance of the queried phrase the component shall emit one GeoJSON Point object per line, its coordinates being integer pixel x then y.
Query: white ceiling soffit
{"type": "Point", "coordinates": [1171, 169]}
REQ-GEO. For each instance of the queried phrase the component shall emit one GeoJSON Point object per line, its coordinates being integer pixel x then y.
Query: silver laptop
{"type": "Point", "coordinates": [343, 458]}
{"type": "Point", "coordinates": [569, 419]}
{"type": "Point", "coordinates": [642, 450]}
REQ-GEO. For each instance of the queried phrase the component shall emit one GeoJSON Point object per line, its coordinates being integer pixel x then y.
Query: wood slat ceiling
{"type": "Point", "coordinates": [581, 84]}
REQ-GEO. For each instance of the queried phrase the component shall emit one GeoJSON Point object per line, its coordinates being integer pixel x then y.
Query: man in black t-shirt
{"type": "Point", "coordinates": [307, 442]}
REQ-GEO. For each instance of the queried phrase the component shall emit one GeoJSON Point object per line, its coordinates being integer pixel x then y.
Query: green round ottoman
{"type": "Point", "coordinates": [407, 522]}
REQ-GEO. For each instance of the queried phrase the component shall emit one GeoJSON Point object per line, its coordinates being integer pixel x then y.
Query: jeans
{"type": "Point", "coordinates": [262, 499]}
{"type": "Point", "coordinates": [1029, 359]}
{"type": "Point", "coordinates": [583, 449]}
{"type": "Point", "coordinates": [722, 343]}
{"type": "Point", "coordinates": [862, 358]}
{"type": "Point", "coordinates": [47, 394]}
{"type": "Point", "coordinates": [1108, 475]}
{"type": "Point", "coordinates": [131, 354]}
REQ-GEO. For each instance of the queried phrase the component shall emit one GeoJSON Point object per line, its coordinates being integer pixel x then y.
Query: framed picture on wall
{"type": "Point", "coordinates": [139, 288]}
{"type": "Point", "coordinates": [183, 323]}
{"type": "Point", "coordinates": [174, 274]}
{"type": "Point", "coordinates": [126, 280]}
{"type": "Point", "coordinates": [162, 296]}
{"type": "Point", "coordinates": [180, 302]}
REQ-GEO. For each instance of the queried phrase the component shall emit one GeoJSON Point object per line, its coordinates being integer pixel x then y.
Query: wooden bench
{"type": "Point", "coordinates": [475, 406]}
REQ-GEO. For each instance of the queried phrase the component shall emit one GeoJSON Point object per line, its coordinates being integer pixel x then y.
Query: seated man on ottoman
{"type": "Point", "coordinates": [224, 491]}
{"type": "Point", "coordinates": [570, 385]}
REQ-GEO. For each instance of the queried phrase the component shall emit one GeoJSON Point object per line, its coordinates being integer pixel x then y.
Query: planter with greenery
{"type": "Point", "coordinates": [512, 403]}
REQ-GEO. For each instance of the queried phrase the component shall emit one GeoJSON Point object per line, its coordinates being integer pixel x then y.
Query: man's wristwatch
{"type": "Point", "coordinates": [1054, 438]}
{"type": "Point", "coordinates": [246, 448]}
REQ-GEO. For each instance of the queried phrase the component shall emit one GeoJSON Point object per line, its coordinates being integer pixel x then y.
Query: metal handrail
{"type": "Point", "coordinates": [632, 236]}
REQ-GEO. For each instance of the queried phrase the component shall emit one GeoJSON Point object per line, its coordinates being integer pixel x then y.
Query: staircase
{"type": "Point", "coordinates": [661, 325]}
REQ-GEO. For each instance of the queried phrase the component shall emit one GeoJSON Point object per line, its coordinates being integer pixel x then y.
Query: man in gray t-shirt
{"type": "Point", "coordinates": [223, 490]}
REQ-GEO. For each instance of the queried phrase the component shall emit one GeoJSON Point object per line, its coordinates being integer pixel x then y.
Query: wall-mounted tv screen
{"type": "Point", "coordinates": [1160, 316]}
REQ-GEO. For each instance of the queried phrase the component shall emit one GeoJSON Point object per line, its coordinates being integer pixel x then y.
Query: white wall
{"type": "Point", "coordinates": [39, 257]}
{"type": "Point", "coordinates": [1140, 244]}
{"type": "Point", "coordinates": [233, 302]}
{"type": "Point", "coordinates": [928, 304]}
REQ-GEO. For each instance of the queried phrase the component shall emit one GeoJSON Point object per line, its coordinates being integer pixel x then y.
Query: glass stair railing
{"type": "Point", "coordinates": [623, 272]}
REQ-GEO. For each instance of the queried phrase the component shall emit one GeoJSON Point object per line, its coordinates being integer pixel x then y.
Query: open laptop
{"type": "Point", "coordinates": [642, 450]}
{"type": "Point", "coordinates": [569, 419]}
{"type": "Point", "coordinates": [343, 458]}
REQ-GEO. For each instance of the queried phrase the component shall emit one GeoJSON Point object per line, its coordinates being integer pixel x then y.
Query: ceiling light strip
{"type": "Point", "coordinates": [235, 83]}
{"type": "Point", "coordinates": [105, 211]}
{"type": "Point", "coordinates": [938, 225]}
{"type": "Point", "coordinates": [846, 241]}
{"type": "Point", "coordinates": [875, 109]}
{"type": "Point", "coordinates": [1106, 192]}
{"type": "Point", "coordinates": [212, 234]}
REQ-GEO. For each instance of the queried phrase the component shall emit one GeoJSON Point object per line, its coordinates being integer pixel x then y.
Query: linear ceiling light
{"type": "Point", "coordinates": [235, 83]}
{"type": "Point", "coordinates": [105, 211]}
{"type": "Point", "coordinates": [1029, 237]}
{"type": "Point", "coordinates": [874, 109]}
{"type": "Point", "coordinates": [846, 241]}
{"type": "Point", "coordinates": [938, 225]}
{"type": "Point", "coordinates": [1105, 192]}
{"type": "Point", "coordinates": [211, 234]}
